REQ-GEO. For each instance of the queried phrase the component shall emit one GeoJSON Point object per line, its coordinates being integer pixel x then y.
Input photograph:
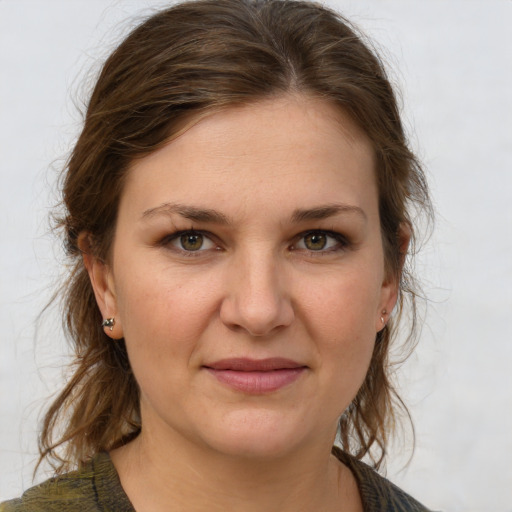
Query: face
{"type": "Point", "coordinates": [247, 277]}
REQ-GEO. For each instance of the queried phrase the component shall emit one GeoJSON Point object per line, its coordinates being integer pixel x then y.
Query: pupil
{"type": "Point", "coordinates": [191, 242]}
{"type": "Point", "coordinates": [315, 241]}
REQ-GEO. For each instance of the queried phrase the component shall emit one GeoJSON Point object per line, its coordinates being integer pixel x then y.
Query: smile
{"type": "Point", "coordinates": [256, 376]}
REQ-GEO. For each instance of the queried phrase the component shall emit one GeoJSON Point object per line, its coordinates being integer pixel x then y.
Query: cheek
{"type": "Point", "coordinates": [344, 302]}
{"type": "Point", "coordinates": [152, 296]}
{"type": "Point", "coordinates": [162, 328]}
{"type": "Point", "coordinates": [341, 318]}
{"type": "Point", "coordinates": [162, 317]}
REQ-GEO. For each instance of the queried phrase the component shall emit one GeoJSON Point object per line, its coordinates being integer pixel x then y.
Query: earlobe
{"type": "Point", "coordinates": [102, 282]}
{"type": "Point", "coordinates": [389, 297]}
{"type": "Point", "coordinates": [391, 285]}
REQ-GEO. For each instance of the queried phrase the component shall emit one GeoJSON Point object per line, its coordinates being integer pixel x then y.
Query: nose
{"type": "Point", "coordinates": [257, 299]}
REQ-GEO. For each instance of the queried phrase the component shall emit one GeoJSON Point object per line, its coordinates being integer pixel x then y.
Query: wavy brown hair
{"type": "Point", "coordinates": [184, 62]}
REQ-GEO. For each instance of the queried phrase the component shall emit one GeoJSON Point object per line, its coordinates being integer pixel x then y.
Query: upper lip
{"type": "Point", "coordinates": [243, 364]}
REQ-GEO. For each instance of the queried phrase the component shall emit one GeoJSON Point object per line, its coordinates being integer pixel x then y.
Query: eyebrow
{"type": "Point", "coordinates": [326, 211]}
{"type": "Point", "coordinates": [208, 215]}
{"type": "Point", "coordinates": [188, 212]}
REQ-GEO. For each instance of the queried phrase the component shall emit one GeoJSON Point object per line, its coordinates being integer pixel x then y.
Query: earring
{"type": "Point", "coordinates": [382, 319]}
{"type": "Point", "coordinates": [109, 322]}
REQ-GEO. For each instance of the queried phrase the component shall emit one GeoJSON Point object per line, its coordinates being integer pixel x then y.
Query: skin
{"type": "Point", "coordinates": [257, 287]}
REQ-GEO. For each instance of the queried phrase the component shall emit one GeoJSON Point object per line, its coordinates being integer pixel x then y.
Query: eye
{"type": "Point", "coordinates": [190, 241]}
{"type": "Point", "coordinates": [317, 241]}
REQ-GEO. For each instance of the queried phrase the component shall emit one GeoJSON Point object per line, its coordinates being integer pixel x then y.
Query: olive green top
{"type": "Point", "coordinates": [96, 488]}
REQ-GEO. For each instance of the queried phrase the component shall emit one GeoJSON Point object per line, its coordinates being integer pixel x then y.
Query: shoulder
{"type": "Point", "coordinates": [93, 488]}
{"type": "Point", "coordinates": [59, 493]}
{"type": "Point", "coordinates": [378, 493]}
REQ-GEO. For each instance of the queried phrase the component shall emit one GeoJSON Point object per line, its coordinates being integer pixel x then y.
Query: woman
{"type": "Point", "coordinates": [237, 211]}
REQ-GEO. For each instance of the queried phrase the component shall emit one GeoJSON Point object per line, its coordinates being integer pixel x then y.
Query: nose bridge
{"type": "Point", "coordinates": [257, 300]}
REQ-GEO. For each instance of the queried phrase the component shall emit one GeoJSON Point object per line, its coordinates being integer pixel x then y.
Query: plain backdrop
{"type": "Point", "coordinates": [452, 61]}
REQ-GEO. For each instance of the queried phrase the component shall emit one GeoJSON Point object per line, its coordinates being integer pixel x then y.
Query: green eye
{"type": "Point", "coordinates": [315, 241]}
{"type": "Point", "coordinates": [188, 242]}
{"type": "Point", "coordinates": [321, 242]}
{"type": "Point", "coordinates": [191, 241]}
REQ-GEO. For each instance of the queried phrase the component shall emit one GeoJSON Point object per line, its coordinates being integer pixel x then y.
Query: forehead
{"type": "Point", "coordinates": [293, 146]}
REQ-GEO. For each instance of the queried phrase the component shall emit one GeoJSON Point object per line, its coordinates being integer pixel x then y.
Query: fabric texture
{"type": "Point", "coordinates": [377, 493]}
{"type": "Point", "coordinates": [96, 488]}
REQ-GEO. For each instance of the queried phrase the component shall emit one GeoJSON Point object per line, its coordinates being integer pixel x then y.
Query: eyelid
{"type": "Point", "coordinates": [171, 237]}
{"type": "Point", "coordinates": [342, 242]}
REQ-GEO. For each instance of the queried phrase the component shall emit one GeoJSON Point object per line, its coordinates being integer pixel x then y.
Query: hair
{"type": "Point", "coordinates": [189, 60]}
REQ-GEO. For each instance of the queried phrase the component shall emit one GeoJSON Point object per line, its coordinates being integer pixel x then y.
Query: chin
{"type": "Point", "coordinates": [255, 447]}
{"type": "Point", "coordinates": [256, 435]}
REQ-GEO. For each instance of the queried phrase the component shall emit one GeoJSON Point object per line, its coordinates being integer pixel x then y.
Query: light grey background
{"type": "Point", "coordinates": [453, 62]}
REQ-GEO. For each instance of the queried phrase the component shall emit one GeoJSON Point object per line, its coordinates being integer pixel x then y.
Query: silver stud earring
{"type": "Point", "coordinates": [382, 319]}
{"type": "Point", "coordinates": [109, 322]}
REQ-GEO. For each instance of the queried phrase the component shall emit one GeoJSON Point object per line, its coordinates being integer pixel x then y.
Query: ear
{"type": "Point", "coordinates": [391, 284]}
{"type": "Point", "coordinates": [102, 282]}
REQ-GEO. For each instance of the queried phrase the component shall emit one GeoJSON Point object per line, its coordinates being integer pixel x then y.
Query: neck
{"type": "Point", "coordinates": [186, 478]}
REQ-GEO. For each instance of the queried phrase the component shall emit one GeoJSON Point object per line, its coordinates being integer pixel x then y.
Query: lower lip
{"type": "Point", "coordinates": [257, 382]}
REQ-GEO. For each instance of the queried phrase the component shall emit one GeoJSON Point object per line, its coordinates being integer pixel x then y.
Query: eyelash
{"type": "Point", "coordinates": [341, 242]}
{"type": "Point", "coordinates": [167, 240]}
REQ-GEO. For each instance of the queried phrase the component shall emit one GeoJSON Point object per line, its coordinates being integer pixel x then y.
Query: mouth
{"type": "Point", "coordinates": [256, 376]}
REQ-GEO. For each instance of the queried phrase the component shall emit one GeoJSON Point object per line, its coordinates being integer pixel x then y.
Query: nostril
{"type": "Point", "coordinates": [256, 299]}
{"type": "Point", "coordinates": [257, 317]}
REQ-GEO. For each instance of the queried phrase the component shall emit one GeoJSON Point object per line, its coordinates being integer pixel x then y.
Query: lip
{"type": "Point", "coordinates": [256, 376]}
